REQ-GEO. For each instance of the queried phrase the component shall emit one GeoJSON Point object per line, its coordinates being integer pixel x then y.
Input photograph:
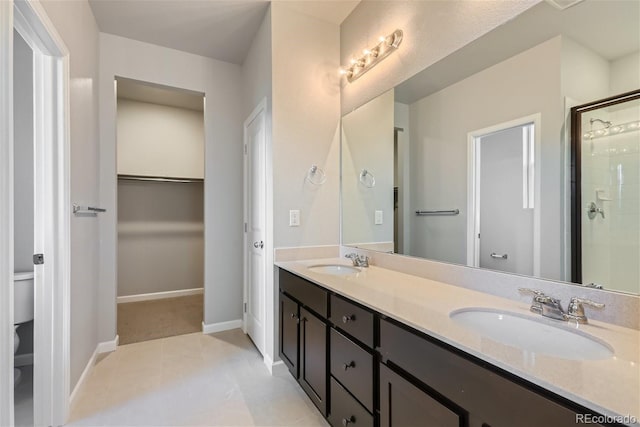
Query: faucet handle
{"type": "Point", "coordinates": [575, 311]}
{"type": "Point", "coordinates": [351, 256]}
{"type": "Point", "coordinates": [538, 298]}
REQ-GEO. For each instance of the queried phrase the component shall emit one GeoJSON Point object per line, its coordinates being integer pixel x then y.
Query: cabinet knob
{"type": "Point", "coordinates": [347, 421]}
{"type": "Point", "coordinates": [296, 318]}
{"type": "Point", "coordinates": [351, 364]}
{"type": "Point", "coordinates": [348, 318]}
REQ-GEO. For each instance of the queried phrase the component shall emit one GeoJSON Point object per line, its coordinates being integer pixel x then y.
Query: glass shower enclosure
{"type": "Point", "coordinates": [605, 190]}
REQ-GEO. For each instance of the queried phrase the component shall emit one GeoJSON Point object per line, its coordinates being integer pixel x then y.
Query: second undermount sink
{"type": "Point", "coordinates": [334, 269]}
{"type": "Point", "coordinates": [532, 335]}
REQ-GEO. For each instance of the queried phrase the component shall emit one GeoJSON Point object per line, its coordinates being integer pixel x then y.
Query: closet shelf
{"type": "Point", "coordinates": [159, 179]}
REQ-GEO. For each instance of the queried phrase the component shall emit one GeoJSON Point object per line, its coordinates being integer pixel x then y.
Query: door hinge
{"type": "Point", "coordinates": [245, 148]}
{"type": "Point", "coordinates": [245, 227]}
{"type": "Point", "coordinates": [245, 307]}
{"type": "Point", "coordinates": [38, 259]}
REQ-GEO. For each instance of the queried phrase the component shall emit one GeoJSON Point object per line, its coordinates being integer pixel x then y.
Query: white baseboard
{"type": "Point", "coordinates": [84, 376]}
{"type": "Point", "coordinates": [108, 346]}
{"type": "Point", "coordinates": [159, 295]}
{"type": "Point", "coordinates": [23, 359]}
{"type": "Point", "coordinates": [212, 328]}
{"type": "Point", "coordinates": [102, 347]}
{"type": "Point", "coordinates": [275, 368]}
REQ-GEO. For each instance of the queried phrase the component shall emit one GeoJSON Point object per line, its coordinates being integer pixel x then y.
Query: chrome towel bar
{"type": "Point", "coordinates": [442, 212]}
{"type": "Point", "coordinates": [87, 210]}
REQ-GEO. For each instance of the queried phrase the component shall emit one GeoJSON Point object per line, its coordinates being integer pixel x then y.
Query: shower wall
{"type": "Point", "coordinates": [611, 170]}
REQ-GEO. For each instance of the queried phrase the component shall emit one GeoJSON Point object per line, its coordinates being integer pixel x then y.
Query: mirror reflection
{"type": "Point", "coordinates": [471, 161]}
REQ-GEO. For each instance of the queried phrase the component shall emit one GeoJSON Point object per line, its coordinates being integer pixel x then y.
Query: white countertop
{"type": "Point", "coordinates": [610, 387]}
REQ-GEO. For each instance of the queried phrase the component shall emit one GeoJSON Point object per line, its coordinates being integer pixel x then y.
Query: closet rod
{"type": "Point", "coordinates": [159, 179]}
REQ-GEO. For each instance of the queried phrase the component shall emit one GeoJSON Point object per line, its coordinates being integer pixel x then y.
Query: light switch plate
{"type": "Point", "coordinates": [294, 218]}
{"type": "Point", "coordinates": [378, 218]}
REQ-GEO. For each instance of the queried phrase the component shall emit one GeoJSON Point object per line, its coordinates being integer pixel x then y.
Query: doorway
{"type": "Point", "coordinates": [160, 194]}
{"type": "Point", "coordinates": [503, 232]}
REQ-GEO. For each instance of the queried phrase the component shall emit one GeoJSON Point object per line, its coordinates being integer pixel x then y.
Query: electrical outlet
{"type": "Point", "coordinates": [378, 218]}
{"type": "Point", "coordinates": [294, 218]}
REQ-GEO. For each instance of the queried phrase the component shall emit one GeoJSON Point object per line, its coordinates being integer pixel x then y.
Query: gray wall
{"type": "Point", "coordinates": [222, 85]}
{"type": "Point", "coordinates": [160, 237]}
{"type": "Point", "coordinates": [439, 123]}
{"type": "Point", "coordinates": [23, 169]}
{"type": "Point", "coordinates": [432, 30]}
{"type": "Point", "coordinates": [23, 154]}
{"type": "Point", "coordinates": [77, 27]}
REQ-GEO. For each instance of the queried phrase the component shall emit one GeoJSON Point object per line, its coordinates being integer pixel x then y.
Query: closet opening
{"type": "Point", "coordinates": [160, 163]}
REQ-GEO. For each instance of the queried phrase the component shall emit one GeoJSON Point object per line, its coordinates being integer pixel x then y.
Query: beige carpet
{"type": "Point", "coordinates": [150, 320]}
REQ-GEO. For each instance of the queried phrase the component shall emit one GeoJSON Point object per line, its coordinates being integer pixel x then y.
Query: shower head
{"type": "Point", "coordinates": [606, 123]}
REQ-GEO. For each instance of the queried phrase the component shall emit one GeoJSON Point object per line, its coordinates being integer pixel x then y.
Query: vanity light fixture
{"type": "Point", "coordinates": [370, 57]}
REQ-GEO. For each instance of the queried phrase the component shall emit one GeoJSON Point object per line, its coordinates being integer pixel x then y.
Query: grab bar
{"type": "Point", "coordinates": [442, 212]}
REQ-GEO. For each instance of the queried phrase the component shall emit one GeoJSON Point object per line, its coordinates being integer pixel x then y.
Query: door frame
{"type": "Point", "coordinates": [473, 187]}
{"type": "Point", "coordinates": [261, 108]}
{"type": "Point", "coordinates": [52, 212]}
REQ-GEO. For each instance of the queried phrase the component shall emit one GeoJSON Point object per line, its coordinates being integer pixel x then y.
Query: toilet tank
{"type": "Point", "coordinates": [23, 297]}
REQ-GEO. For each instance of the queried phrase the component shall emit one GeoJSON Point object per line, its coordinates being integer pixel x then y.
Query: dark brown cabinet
{"type": "Point", "coordinates": [313, 358]}
{"type": "Point", "coordinates": [361, 368]}
{"type": "Point", "coordinates": [289, 332]}
{"type": "Point", "coordinates": [402, 404]}
{"type": "Point", "coordinates": [304, 336]}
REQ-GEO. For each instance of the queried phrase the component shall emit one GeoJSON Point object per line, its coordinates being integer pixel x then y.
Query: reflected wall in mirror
{"type": "Point", "coordinates": [472, 160]}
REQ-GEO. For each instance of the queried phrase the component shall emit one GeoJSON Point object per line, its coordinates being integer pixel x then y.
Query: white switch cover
{"type": "Point", "coordinates": [294, 218]}
{"type": "Point", "coordinates": [378, 218]}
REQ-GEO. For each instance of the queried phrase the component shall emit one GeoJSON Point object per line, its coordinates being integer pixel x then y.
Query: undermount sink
{"type": "Point", "coordinates": [532, 335]}
{"type": "Point", "coordinates": [334, 269]}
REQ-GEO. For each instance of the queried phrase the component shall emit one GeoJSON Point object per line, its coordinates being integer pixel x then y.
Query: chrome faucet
{"type": "Point", "coordinates": [550, 307]}
{"type": "Point", "coordinates": [358, 260]}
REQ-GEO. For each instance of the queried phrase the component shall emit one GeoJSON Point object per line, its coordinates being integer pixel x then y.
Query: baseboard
{"type": "Point", "coordinates": [212, 328]}
{"type": "Point", "coordinates": [275, 368]}
{"type": "Point", "coordinates": [84, 376]}
{"type": "Point", "coordinates": [23, 359]}
{"type": "Point", "coordinates": [108, 346]}
{"type": "Point", "coordinates": [159, 295]}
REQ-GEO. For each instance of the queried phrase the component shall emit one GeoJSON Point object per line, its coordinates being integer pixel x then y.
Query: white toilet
{"type": "Point", "coordinates": [22, 308]}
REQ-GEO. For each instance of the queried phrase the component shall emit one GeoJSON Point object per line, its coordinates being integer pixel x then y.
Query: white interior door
{"type": "Point", "coordinates": [255, 222]}
{"type": "Point", "coordinates": [506, 215]}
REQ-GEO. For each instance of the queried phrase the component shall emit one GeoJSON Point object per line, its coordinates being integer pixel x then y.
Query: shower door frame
{"type": "Point", "coordinates": [51, 212]}
{"type": "Point", "coordinates": [576, 173]}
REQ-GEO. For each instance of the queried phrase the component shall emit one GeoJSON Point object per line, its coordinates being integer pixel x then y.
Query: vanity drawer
{"type": "Point", "coordinates": [353, 319]}
{"type": "Point", "coordinates": [469, 383]}
{"type": "Point", "coordinates": [345, 410]}
{"type": "Point", "coordinates": [353, 367]}
{"type": "Point", "coordinates": [305, 292]}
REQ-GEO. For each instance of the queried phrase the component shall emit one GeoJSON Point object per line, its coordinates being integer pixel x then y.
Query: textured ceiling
{"type": "Point", "coordinates": [219, 29]}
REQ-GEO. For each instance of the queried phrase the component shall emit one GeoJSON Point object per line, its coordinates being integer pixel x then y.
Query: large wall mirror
{"type": "Point", "coordinates": [471, 161]}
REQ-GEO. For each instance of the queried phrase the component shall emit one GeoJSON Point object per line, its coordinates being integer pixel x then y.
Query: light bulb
{"type": "Point", "coordinates": [381, 39]}
{"type": "Point", "coordinates": [366, 52]}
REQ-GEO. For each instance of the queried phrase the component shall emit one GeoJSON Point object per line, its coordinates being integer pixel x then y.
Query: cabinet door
{"type": "Point", "coordinates": [313, 358]}
{"type": "Point", "coordinates": [289, 333]}
{"type": "Point", "coordinates": [404, 405]}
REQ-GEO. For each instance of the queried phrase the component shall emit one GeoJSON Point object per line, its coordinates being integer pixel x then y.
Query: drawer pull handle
{"type": "Point", "coordinates": [351, 364]}
{"type": "Point", "coordinates": [297, 319]}
{"type": "Point", "coordinates": [347, 421]}
{"type": "Point", "coordinates": [349, 318]}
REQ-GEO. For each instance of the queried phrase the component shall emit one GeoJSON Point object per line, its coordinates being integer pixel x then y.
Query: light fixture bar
{"type": "Point", "coordinates": [370, 57]}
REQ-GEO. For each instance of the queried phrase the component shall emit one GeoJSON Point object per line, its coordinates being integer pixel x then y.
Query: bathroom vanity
{"type": "Point", "coordinates": [376, 347]}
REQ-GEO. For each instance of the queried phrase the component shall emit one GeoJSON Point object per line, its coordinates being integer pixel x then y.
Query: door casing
{"type": "Point", "coordinates": [52, 212]}
{"type": "Point", "coordinates": [473, 173]}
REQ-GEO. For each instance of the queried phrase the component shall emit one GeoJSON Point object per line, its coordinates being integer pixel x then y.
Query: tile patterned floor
{"type": "Point", "coordinates": [191, 380]}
